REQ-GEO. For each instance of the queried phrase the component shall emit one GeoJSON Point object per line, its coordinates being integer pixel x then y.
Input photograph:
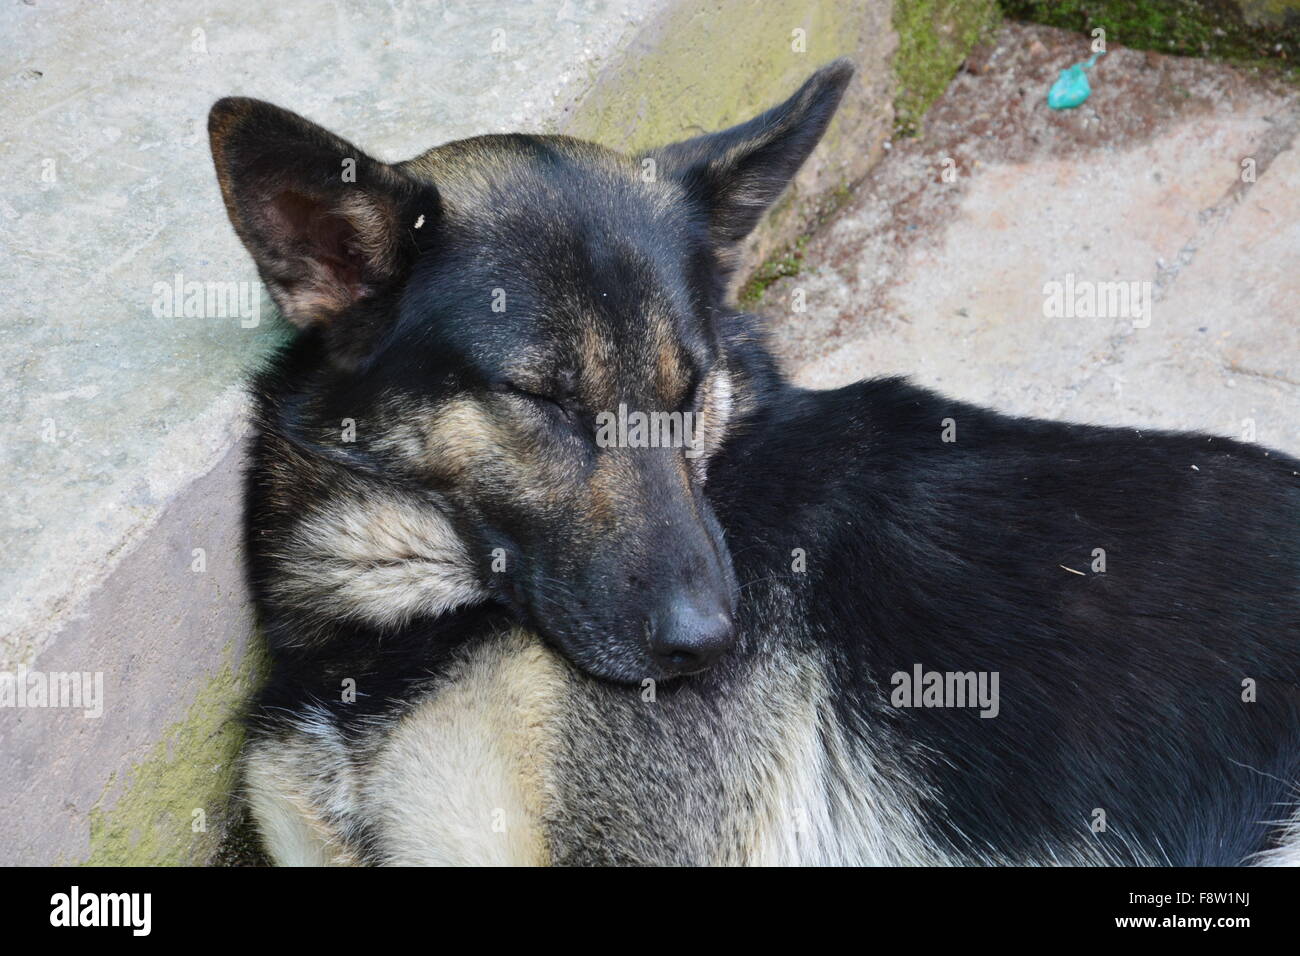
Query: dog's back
{"type": "Point", "coordinates": [1137, 595]}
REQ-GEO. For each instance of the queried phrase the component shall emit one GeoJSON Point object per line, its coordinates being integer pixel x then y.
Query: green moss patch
{"type": "Point", "coordinates": [934, 37]}
{"type": "Point", "coordinates": [785, 265]}
{"type": "Point", "coordinates": [149, 817]}
{"type": "Point", "coordinates": [1253, 32]}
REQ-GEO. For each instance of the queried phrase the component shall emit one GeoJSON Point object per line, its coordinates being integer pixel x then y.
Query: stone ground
{"type": "Point", "coordinates": [942, 278]}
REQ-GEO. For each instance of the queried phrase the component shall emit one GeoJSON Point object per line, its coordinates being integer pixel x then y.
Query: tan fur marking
{"type": "Point", "coordinates": [596, 368]}
{"type": "Point", "coordinates": [459, 434]}
{"type": "Point", "coordinates": [289, 784]}
{"type": "Point", "coordinates": [819, 800]}
{"type": "Point", "coordinates": [612, 490]}
{"type": "Point", "coordinates": [670, 374]}
{"type": "Point", "coordinates": [383, 559]}
{"type": "Point", "coordinates": [715, 415]}
{"type": "Point", "coordinates": [461, 780]}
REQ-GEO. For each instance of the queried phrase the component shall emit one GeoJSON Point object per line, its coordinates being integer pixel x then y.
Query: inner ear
{"type": "Point", "coordinates": [330, 228]}
{"type": "Point", "coordinates": [327, 239]}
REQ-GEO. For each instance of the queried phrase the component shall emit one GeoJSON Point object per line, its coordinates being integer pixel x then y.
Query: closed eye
{"type": "Point", "coordinates": [551, 403]}
{"type": "Point", "coordinates": [507, 387]}
{"type": "Point", "coordinates": [532, 396]}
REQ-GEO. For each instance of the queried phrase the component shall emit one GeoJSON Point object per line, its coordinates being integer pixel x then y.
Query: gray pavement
{"type": "Point", "coordinates": [1177, 173]}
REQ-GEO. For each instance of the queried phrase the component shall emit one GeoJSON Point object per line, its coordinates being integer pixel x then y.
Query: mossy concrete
{"type": "Point", "coordinates": [172, 634]}
{"type": "Point", "coordinates": [934, 37]}
{"type": "Point", "coordinates": [930, 39]}
{"type": "Point", "coordinates": [944, 278]}
{"type": "Point", "coordinates": [175, 806]}
{"type": "Point", "coordinates": [1250, 32]}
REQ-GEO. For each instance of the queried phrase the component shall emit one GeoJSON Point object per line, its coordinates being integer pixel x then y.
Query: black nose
{"type": "Point", "coordinates": [691, 633]}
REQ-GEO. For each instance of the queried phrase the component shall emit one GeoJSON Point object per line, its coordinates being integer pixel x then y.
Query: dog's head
{"type": "Point", "coordinates": [523, 333]}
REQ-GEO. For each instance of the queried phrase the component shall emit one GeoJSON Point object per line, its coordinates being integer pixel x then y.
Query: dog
{"type": "Point", "coordinates": [867, 625]}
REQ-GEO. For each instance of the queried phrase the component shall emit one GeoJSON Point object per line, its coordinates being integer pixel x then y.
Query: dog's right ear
{"type": "Point", "coordinates": [329, 227]}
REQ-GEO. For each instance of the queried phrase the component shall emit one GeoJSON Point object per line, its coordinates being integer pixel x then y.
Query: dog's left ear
{"type": "Point", "coordinates": [736, 174]}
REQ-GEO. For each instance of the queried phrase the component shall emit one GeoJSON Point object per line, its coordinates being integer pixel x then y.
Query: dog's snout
{"type": "Point", "coordinates": [691, 632]}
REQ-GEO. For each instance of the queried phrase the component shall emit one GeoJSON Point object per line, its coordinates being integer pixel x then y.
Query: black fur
{"type": "Point", "coordinates": [1120, 690]}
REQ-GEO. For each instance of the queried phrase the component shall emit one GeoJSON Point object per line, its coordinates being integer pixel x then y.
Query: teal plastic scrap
{"type": "Point", "coordinates": [1071, 87]}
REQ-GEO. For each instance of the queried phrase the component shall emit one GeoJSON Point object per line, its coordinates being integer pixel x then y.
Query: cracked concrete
{"type": "Point", "coordinates": [1179, 173]}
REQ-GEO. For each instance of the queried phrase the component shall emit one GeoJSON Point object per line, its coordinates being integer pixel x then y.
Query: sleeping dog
{"type": "Point", "coordinates": [556, 567]}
